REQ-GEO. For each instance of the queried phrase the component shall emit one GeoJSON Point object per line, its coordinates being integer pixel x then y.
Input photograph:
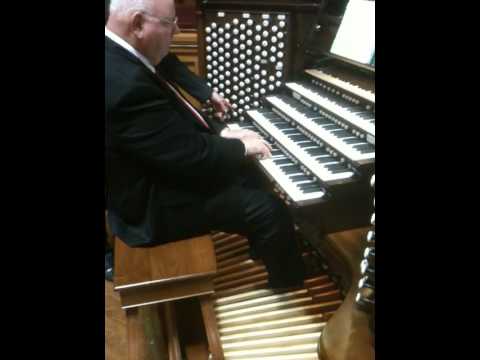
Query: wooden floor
{"type": "Point", "coordinates": [189, 325]}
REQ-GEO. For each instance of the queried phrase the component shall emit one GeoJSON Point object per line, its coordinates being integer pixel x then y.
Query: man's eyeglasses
{"type": "Point", "coordinates": [172, 21]}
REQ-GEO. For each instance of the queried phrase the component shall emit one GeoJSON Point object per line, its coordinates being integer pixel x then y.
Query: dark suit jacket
{"type": "Point", "coordinates": [158, 156]}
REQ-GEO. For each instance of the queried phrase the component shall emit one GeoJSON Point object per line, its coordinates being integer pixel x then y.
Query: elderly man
{"type": "Point", "coordinates": [170, 173]}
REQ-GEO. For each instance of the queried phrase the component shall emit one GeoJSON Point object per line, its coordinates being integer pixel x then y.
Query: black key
{"type": "Point", "coordinates": [365, 115]}
{"type": "Point", "coordinates": [354, 141]}
{"type": "Point", "coordinates": [367, 151]}
{"type": "Point", "coordinates": [311, 114]}
{"type": "Point", "coordinates": [298, 137]}
{"type": "Point", "coordinates": [326, 159]}
{"type": "Point", "coordinates": [317, 151]}
{"type": "Point", "coordinates": [332, 127]}
{"type": "Point", "coordinates": [362, 146]}
{"type": "Point", "coordinates": [312, 190]}
{"type": "Point", "coordinates": [322, 121]}
{"type": "Point", "coordinates": [356, 108]}
{"type": "Point", "coordinates": [307, 185]}
{"type": "Point", "coordinates": [276, 152]}
{"type": "Point", "coordinates": [335, 171]}
{"type": "Point", "coordinates": [282, 161]}
{"type": "Point", "coordinates": [283, 126]}
{"type": "Point", "coordinates": [290, 131]}
{"type": "Point", "coordinates": [335, 167]}
{"type": "Point", "coordinates": [307, 144]}
{"type": "Point", "coordinates": [342, 133]}
{"type": "Point", "coordinates": [290, 169]}
{"type": "Point", "coordinates": [296, 178]}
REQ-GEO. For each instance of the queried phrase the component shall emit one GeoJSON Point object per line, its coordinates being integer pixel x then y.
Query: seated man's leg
{"type": "Point", "coordinates": [266, 222]}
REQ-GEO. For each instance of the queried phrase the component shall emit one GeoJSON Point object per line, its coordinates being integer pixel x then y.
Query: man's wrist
{"type": "Point", "coordinates": [226, 129]}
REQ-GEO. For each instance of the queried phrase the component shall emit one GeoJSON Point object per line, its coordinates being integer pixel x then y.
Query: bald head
{"type": "Point", "coordinates": [147, 25]}
{"type": "Point", "coordinates": [124, 6]}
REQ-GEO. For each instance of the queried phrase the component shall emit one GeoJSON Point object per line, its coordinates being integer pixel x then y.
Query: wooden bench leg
{"type": "Point", "coordinates": [174, 351]}
{"type": "Point", "coordinates": [145, 334]}
{"type": "Point", "coordinates": [110, 238]}
{"type": "Point", "coordinates": [210, 323]}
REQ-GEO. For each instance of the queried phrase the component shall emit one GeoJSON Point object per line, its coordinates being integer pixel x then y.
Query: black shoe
{"type": "Point", "coordinates": [286, 285]}
{"type": "Point", "coordinates": [253, 253]}
{"type": "Point", "coordinates": [109, 266]}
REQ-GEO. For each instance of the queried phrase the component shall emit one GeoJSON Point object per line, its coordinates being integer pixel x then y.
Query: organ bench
{"type": "Point", "coordinates": [148, 276]}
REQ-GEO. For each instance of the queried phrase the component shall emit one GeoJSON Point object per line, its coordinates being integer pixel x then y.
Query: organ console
{"type": "Point", "coordinates": [302, 74]}
{"type": "Point", "coordinates": [295, 73]}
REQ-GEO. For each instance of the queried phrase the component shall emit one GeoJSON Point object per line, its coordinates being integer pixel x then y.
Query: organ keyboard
{"type": "Point", "coordinates": [335, 133]}
{"type": "Point", "coordinates": [354, 90]}
{"type": "Point", "coordinates": [353, 115]}
{"type": "Point", "coordinates": [284, 169]}
{"type": "Point", "coordinates": [313, 157]}
{"type": "Point", "coordinates": [314, 149]}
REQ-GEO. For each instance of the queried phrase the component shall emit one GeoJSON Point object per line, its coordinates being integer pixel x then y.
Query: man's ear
{"type": "Point", "coordinates": [137, 24]}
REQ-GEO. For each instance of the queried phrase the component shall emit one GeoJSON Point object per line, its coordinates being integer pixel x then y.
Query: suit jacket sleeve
{"type": "Point", "coordinates": [156, 134]}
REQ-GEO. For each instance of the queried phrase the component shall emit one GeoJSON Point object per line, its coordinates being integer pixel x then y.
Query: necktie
{"type": "Point", "coordinates": [184, 101]}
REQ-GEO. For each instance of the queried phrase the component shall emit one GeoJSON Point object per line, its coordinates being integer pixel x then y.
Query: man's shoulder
{"type": "Point", "coordinates": [125, 79]}
{"type": "Point", "coordinates": [119, 62]}
{"type": "Point", "coordinates": [118, 65]}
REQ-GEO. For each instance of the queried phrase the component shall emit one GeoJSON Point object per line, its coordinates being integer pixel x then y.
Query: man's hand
{"type": "Point", "coordinates": [239, 134]}
{"type": "Point", "coordinates": [257, 147]}
{"type": "Point", "coordinates": [220, 105]}
{"type": "Point", "coordinates": [254, 143]}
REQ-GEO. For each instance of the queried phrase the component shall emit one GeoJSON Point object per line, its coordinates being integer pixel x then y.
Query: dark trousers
{"type": "Point", "coordinates": [246, 209]}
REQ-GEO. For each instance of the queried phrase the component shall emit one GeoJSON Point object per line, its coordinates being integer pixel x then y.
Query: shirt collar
{"type": "Point", "coordinates": [117, 39]}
